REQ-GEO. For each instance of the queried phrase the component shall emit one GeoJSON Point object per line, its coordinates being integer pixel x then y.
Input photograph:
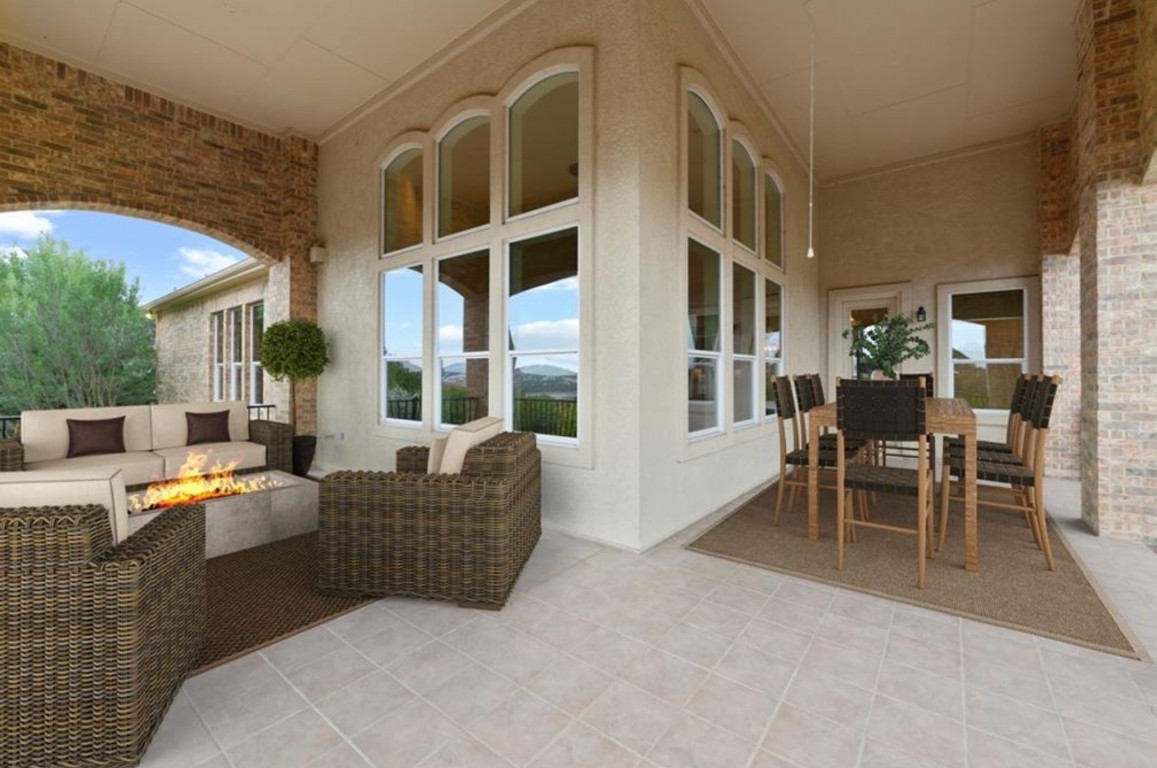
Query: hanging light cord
{"type": "Point", "coordinates": [811, 139]}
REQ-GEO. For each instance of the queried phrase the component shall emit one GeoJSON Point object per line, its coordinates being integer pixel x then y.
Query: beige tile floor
{"type": "Point", "coordinates": [673, 659]}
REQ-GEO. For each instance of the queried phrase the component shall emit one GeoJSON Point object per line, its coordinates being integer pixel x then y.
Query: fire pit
{"type": "Point", "coordinates": [194, 483]}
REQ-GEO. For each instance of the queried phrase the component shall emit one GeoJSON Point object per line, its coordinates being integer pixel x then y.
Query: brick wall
{"type": "Point", "coordinates": [72, 139]}
{"type": "Point", "coordinates": [1147, 79]}
{"type": "Point", "coordinates": [1056, 212]}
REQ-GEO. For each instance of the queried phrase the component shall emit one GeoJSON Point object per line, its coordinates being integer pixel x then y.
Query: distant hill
{"type": "Point", "coordinates": [546, 371]}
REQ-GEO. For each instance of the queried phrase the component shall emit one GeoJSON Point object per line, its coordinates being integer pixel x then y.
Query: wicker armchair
{"type": "Point", "coordinates": [462, 537]}
{"type": "Point", "coordinates": [96, 638]}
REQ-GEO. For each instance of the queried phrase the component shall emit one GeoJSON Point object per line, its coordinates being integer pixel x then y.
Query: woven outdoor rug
{"type": "Point", "coordinates": [1011, 589]}
{"type": "Point", "coordinates": [261, 595]}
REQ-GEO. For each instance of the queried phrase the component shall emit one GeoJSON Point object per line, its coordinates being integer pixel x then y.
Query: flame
{"type": "Point", "coordinates": [193, 483]}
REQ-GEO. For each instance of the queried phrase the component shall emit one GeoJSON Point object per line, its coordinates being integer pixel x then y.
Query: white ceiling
{"type": "Point", "coordinates": [896, 80]}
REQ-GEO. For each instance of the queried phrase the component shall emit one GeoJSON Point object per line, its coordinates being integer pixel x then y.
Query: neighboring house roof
{"type": "Point", "coordinates": [238, 274]}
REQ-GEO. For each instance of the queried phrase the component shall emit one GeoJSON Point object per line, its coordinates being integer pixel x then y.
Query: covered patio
{"type": "Point", "coordinates": [614, 224]}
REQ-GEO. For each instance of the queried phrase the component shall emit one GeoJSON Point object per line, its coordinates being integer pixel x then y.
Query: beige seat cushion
{"type": "Point", "coordinates": [58, 488]}
{"type": "Point", "coordinates": [247, 455]}
{"type": "Point", "coordinates": [44, 434]}
{"type": "Point", "coordinates": [464, 437]}
{"type": "Point", "coordinates": [138, 466]}
{"type": "Point", "coordinates": [437, 451]}
{"type": "Point", "coordinates": [170, 429]}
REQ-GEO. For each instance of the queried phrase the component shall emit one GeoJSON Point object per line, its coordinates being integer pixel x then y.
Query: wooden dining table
{"type": "Point", "coordinates": [945, 416]}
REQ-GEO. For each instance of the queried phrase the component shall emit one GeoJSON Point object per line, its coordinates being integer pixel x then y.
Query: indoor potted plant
{"type": "Point", "coordinates": [887, 342]}
{"type": "Point", "coordinates": [295, 350]}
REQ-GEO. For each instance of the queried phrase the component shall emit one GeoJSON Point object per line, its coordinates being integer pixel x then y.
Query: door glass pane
{"type": "Point", "coordinates": [985, 385]}
{"type": "Point", "coordinates": [544, 293]}
{"type": "Point", "coordinates": [702, 298]}
{"type": "Point", "coordinates": [464, 304]}
{"type": "Point", "coordinates": [864, 321]}
{"type": "Point", "coordinates": [544, 144]}
{"type": "Point", "coordinates": [743, 310]}
{"type": "Point", "coordinates": [402, 190]}
{"type": "Point", "coordinates": [404, 389]}
{"type": "Point", "coordinates": [704, 177]}
{"type": "Point", "coordinates": [464, 177]}
{"type": "Point", "coordinates": [702, 386]}
{"type": "Point", "coordinates": [402, 312]}
{"type": "Point", "coordinates": [742, 195]}
{"type": "Point", "coordinates": [773, 222]}
{"type": "Point", "coordinates": [546, 394]}
{"type": "Point", "coordinates": [988, 325]}
{"type": "Point", "coordinates": [744, 374]}
{"type": "Point", "coordinates": [770, 371]}
{"type": "Point", "coordinates": [465, 389]}
{"type": "Point", "coordinates": [772, 320]}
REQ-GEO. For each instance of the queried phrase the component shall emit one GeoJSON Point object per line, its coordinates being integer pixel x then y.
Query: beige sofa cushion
{"type": "Point", "coordinates": [138, 467]}
{"type": "Point", "coordinates": [247, 455]}
{"type": "Point", "coordinates": [171, 430]}
{"type": "Point", "coordinates": [463, 438]}
{"type": "Point", "coordinates": [58, 488]}
{"type": "Point", "coordinates": [44, 434]}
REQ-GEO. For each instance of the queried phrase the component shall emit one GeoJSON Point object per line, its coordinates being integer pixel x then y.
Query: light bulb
{"type": "Point", "coordinates": [811, 252]}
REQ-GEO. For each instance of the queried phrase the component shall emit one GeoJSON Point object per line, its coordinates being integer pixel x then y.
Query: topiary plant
{"type": "Point", "coordinates": [294, 350]}
{"type": "Point", "coordinates": [889, 341]}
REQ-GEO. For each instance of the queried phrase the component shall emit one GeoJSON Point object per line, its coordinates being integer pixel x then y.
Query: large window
{"type": "Point", "coordinates": [256, 372]}
{"type": "Point", "coordinates": [464, 177]}
{"type": "Point", "coordinates": [742, 195]}
{"type": "Point", "coordinates": [236, 352]}
{"type": "Point", "coordinates": [988, 346]}
{"type": "Point", "coordinates": [402, 194]}
{"type": "Point", "coordinates": [744, 323]}
{"type": "Point", "coordinates": [704, 161]}
{"type": "Point", "coordinates": [772, 221]}
{"type": "Point", "coordinates": [544, 144]}
{"type": "Point", "coordinates": [463, 341]}
{"type": "Point", "coordinates": [704, 342]}
{"type": "Point", "coordinates": [217, 339]}
{"type": "Point", "coordinates": [543, 332]}
{"type": "Point", "coordinates": [402, 334]}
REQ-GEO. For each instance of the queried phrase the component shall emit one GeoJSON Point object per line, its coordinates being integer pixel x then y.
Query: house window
{"type": "Point", "coordinates": [989, 346]}
{"type": "Point", "coordinates": [704, 306]}
{"type": "Point", "coordinates": [543, 334]}
{"type": "Point", "coordinates": [772, 341]}
{"type": "Point", "coordinates": [464, 177]}
{"type": "Point", "coordinates": [744, 322]}
{"type": "Point", "coordinates": [402, 193]}
{"type": "Point", "coordinates": [704, 165]}
{"type": "Point", "coordinates": [742, 195]}
{"type": "Point", "coordinates": [543, 151]}
{"type": "Point", "coordinates": [463, 338]}
{"type": "Point", "coordinates": [256, 372]}
{"type": "Point", "coordinates": [402, 336]}
{"type": "Point", "coordinates": [236, 352]}
{"type": "Point", "coordinates": [772, 221]}
{"type": "Point", "coordinates": [217, 372]}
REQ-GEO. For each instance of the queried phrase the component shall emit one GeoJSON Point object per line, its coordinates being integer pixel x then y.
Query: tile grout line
{"type": "Point", "coordinates": [201, 720]}
{"type": "Point", "coordinates": [876, 692]}
{"type": "Point", "coordinates": [1056, 704]}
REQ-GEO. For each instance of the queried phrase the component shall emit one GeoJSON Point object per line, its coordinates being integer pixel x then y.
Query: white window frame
{"type": "Point", "coordinates": [508, 101]}
{"type": "Point", "coordinates": [778, 361]}
{"type": "Point", "coordinates": [734, 135]}
{"type": "Point", "coordinates": [256, 371]}
{"type": "Point", "coordinates": [753, 358]}
{"type": "Point", "coordinates": [768, 172]}
{"type": "Point", "coordinates": [459, 118]}
{"type": "Point", "coordinates": [1032, 333]}
{"type": "Point", "coordinates": [385, 359]}
{"type": "Point", "coordinates": [236, 352]}
{"type": "Point", "coordinates": [722, 417]}
{"type": "Point", "coordinates": [217, 369]}
{"type": "Point", "coordinates": [439, 356]}
{"type": "Point", "coordinates": [401, 145]}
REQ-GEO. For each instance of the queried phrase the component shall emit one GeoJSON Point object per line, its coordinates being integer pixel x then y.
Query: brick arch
{"type": "Point", "coordinates": [100, 207]}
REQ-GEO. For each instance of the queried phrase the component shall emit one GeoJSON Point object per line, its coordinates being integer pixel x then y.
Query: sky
{"type": "Point", "coordinates": [161, 256]}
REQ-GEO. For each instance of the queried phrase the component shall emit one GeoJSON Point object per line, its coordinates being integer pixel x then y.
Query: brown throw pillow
{"type": "Point", "coordinates": [207, 427]}
{"type": "Point", "coordinates": [87, 437]}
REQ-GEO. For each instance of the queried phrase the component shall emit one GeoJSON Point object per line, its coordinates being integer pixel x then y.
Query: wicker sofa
{"type": "Point", "coordinates": [95, 638]}
{"type": "Point", "coordinates": [154, 437]}
{"type": "Point", "coordinates": [459, 537]}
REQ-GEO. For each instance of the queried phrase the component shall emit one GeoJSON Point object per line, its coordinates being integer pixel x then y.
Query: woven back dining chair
{"type": "Point", "coordinates": [1011, 448]}
{"type": "Point", "coordinates": [881, 411]}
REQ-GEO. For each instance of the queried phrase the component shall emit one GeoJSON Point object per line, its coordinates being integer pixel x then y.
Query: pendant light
{"type": "Point", "coordinates": [811, 138]}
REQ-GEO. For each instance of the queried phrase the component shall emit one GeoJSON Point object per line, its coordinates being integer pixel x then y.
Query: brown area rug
{"type": "Point", "coordinates": [261, 595]}
{"type": "Point", "coordinates": [1011, 589]}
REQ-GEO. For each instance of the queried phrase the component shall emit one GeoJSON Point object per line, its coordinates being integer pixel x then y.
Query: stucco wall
{"type": "Point", "coordinates": [639, 488]}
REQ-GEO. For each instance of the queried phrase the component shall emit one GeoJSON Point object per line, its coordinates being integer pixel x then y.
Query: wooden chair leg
{"type": "Point", "coordinates": [841, 530]}
{"type": "Point", "coordinates": [1043, 525]}
{"type": "Point", "coordinates": [853, 536]}
{"type": "Point", "coordinates": [945, 498]}
{"type": "Point", "coordinates": [921, 535]}
{"type": "Point", "coordinates": [792, 495]}
{"type": "Point", "coordinates": [779, 496]}
{"type": "Point", "coordinates": [930, 511]}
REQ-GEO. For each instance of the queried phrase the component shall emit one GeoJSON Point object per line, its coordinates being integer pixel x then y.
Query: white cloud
{"type": "Point", "coordinates": [547, 334]}
{"type": "Point", "coordinates": [12, 252]}
{"type": "Point", "coordinates": [27, 225]}
{"type": "Point", "coordinates": [566, 284]}
{"type": "Point", "coordinates": [199, 262]}
{"type": "Point", "coordinates": [450, 336]}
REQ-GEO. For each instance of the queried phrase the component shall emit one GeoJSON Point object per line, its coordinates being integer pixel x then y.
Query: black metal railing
{"type": "Point", "coordinates": [546, 416]}
{"type": "Point", "coordinates": [262, 411]}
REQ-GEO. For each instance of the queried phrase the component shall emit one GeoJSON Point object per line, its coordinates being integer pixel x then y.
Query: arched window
{"type": "Point", "coordinates": [544, 144]}
{"type": "Point", "coordinates": [464, 176]}
{"type": "Point", "coordinates": [704, 164]}
{"type": "Point", "coordinates": [772, 221]}
{"type": "Point", "coordinates": [402, 195]}
{"type": "Point", "coordinates": [742, 195]}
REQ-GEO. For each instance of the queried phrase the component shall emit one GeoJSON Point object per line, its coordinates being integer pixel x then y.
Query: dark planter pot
{"type": "Point", "coordinates": [304, 447]}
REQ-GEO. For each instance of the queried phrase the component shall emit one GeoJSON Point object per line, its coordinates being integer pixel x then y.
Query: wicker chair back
{"type": "Point", "coordinates": [882, 410]}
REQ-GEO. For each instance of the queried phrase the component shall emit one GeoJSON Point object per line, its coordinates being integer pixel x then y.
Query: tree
{"type": "Point", "coordinates": [294, 350]}
{"type": "Point", "coordinates": [72, 333]}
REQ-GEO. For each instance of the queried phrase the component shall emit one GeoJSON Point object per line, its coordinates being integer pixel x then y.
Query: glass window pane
{"type": "Point", "coordinates": [772, 321]}
{"type": "Point", "coordinates": [743, 310]}
{"type": "Point", "coordinates": [544, 144]}
{"type": "Point", "coordinates": [258, 329]}
{"type": "Point", "coordinates": [543, 309]}
{"type": "Point", "coordinates": [404, 389]}
{"type": "Point", "coordinates": [773, 222]}
{"type": "Point", "coordinates": [464, 177]}
{"type": "Point", "coordinates": [985, 385]}
{"type": "Point", "coordinates": [988, 325]}
{"type": "Point", "coordinates": [546, 394]}
{"type": "Point", "coordinates": [744, 375]}
{"type": "Point", "coordinates": [237, 328]}
{"type": "Point", "coordinates": [770, 371]}
{"type": "Point", "coordinates": [464, 304]}
{"type": "Point", "coordinates": [742, 195]}
{"type": "Point", "coordinates": [465, 389]}
{"type": "Point", "coordinates": [402, 312]}
{"type": "Point", "coordinates": [702, 388]}
{"type": "Point", "coordinates": [702, 298]}
{"type": "Point", "coordinates": [402, 189]}
{"type": "Point", "coordinates": [703, 161]}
